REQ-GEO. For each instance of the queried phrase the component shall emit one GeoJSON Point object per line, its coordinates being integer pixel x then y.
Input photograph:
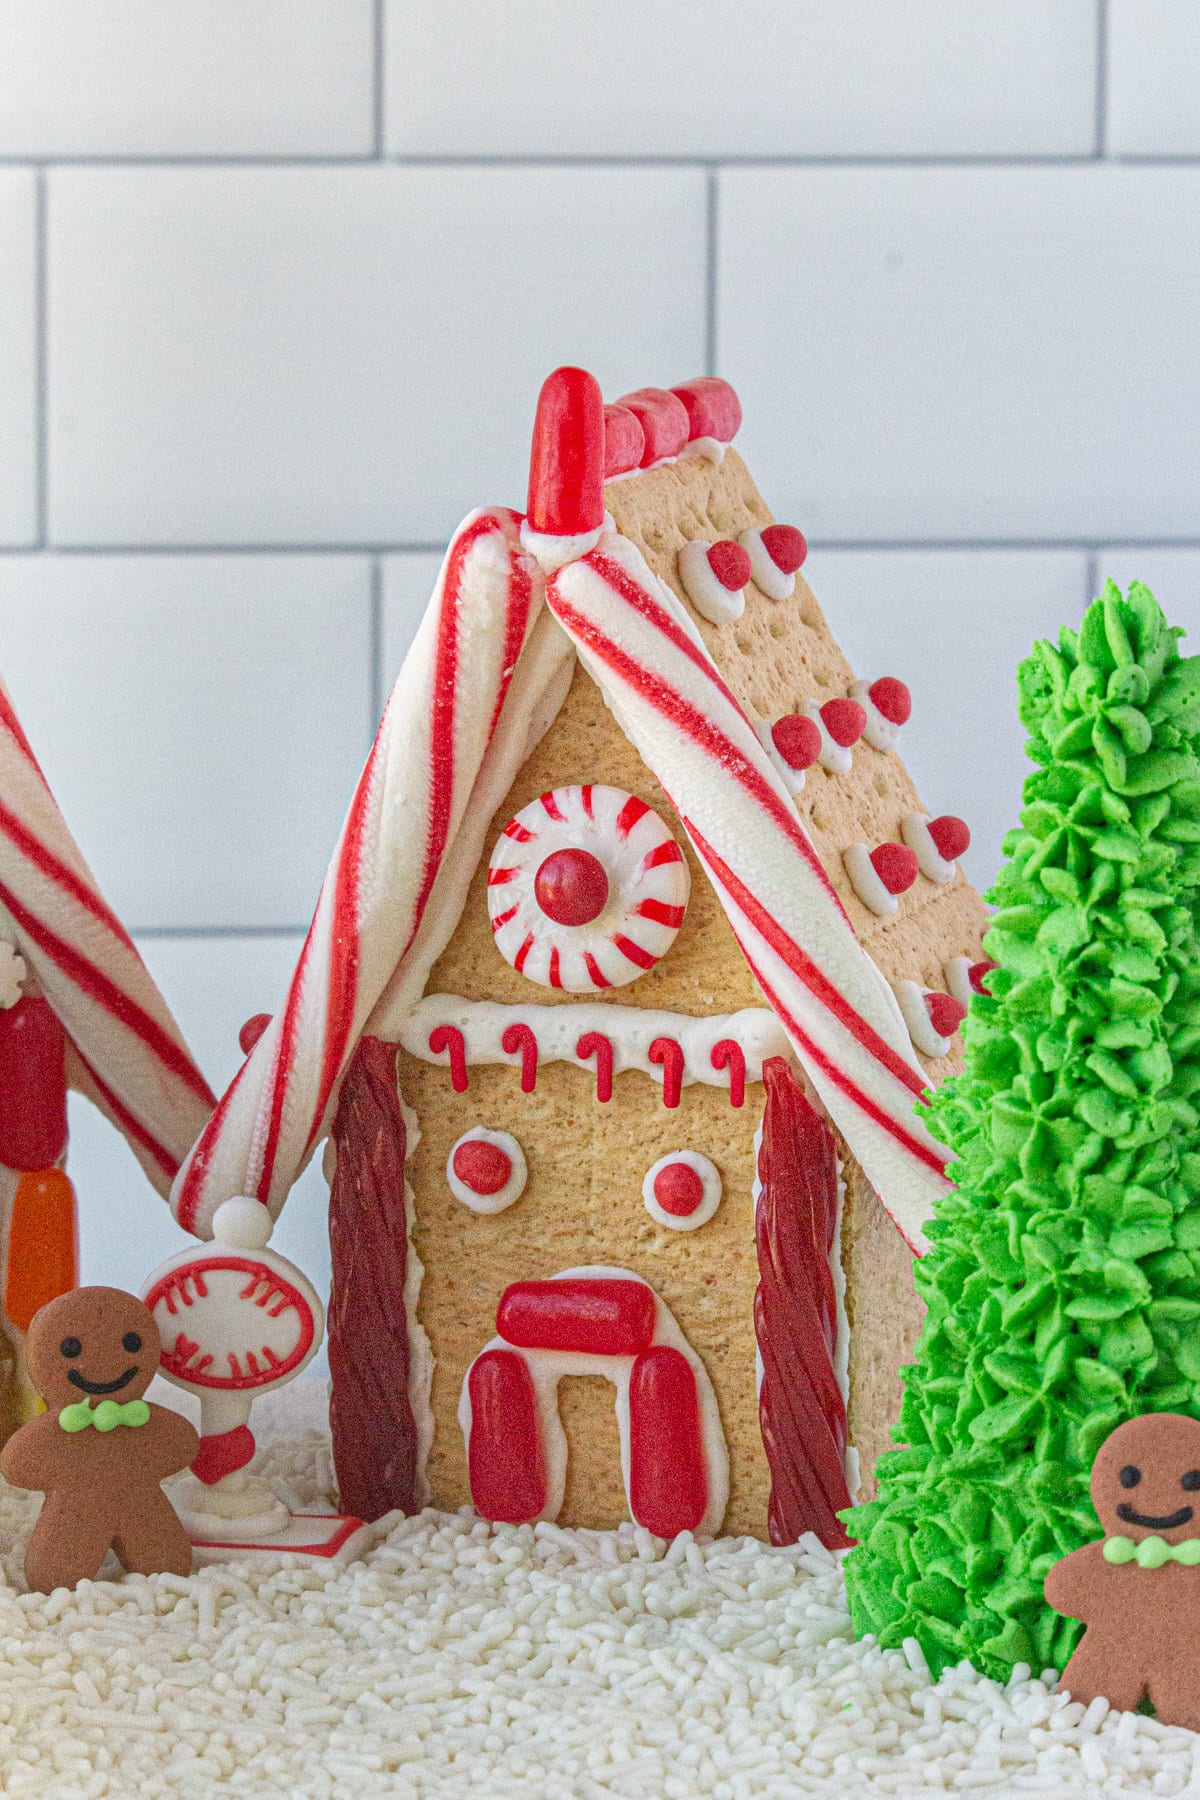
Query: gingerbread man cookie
{"type": "Point", "coordinates": [1138, 1592]}
{"type": "Point", "coordinates": [100, 1451]}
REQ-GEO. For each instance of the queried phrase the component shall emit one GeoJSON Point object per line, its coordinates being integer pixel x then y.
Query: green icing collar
{"type": "Point", "coordinates": [1151, 1552]}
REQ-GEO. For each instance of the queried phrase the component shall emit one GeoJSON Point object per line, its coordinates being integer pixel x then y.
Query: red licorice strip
{"type": "Point", "coordinates": [594, 1043]}
{"type": "Point", "coordinates": [727, 1054]}
{"type": "Point", "coordinates": [801, 1410]}
{"type": "Point", "coordinates": [669, 1052]}
{"type": "Point", "coordinates": [602, 1317]}
{"type": "Point", "coordinates": [449, 1037]}
{"type": "Point", "coordinates": [520, 1037]}
{"type": "Point", "coordinates": [374, 1431]}
{"type": "Point", "coordinates": [506, 1464]}
{"type": "Point", "coordinates": [33, 1085]}
{"type": "Point", "coordinates": [668, 1485]}
{"type": "Point", "coordinates": [223, 1454]}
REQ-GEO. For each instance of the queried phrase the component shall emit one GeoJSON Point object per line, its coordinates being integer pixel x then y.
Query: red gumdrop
{"type": "Point", "coordinates": [33, 1085]}
{"type": "Point", "coordinates": [679, 1189]}
{"type": "Point", "coordinates": [845, 721]}
{"type": "Point", "coordinates": [252, 1030]}
{"type": "Point", "coordinates": [896, 866]}
{"type": "Point", "coordinates": [786, 547]}
{"type": "Point", "coordinates": [730, 563]}
{"type": "Point", "coordinates": [624, 441]}
{"type": "Point", "coordinates": [889, 696]}
{"type": "Point", "coordinates": [797, 739]}
{"type": "Point", "coordinates": [977, 971]}
{"type": "Point", "coordinates": [664, 420]}
{"type": "Point", "coordinates": [951, 836]}
{"type": "Point", "coordinates": [713, 409]}
{"type": "Point", "coordinates": [946, 1013]}
{"type": "Point", "coordinates": [571, 887]}
{"type": "Point", "coordinates": [599, 1315]}
{"type": "Point", "coordinates": [481, 1166]}
{"type": "Point", "coordinates": [566, 462]}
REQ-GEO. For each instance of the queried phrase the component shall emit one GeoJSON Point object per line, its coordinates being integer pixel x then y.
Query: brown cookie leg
{"type": "Point", "coordinates": [1175, 1690]}
{"type": "Point", "coordinates": [1103, 1664]}
{"type": "Point", "coordinates": [152, 1540]}
{"type": "Point", "coordinates": [67, 1545]}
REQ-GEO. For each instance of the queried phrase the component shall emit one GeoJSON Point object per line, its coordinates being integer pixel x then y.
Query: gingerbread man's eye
{"type": "Point", "coordinates": [1191, 1481]}
{"type": "Point", "coordinates": [1129, 1476]}
{"type": "Point", "coordinates": [131, 1342]}
{"type": "Point", "coordinates": [71, 1347]}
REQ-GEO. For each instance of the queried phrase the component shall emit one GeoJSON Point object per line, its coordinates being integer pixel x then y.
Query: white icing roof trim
{"type": "Point", "coordinates": [710, 597]}
{"type": "Point", "coordinates": [835, 758]}
{"type": "Point", "coordinates": [792, 779]}
{"type": "Point", "coordinates": [932, 864]}
{"type": "Point", "coordinates": [867, 884]}
{"type": "Point", "coordinates": [766, 572]}
{"type": "Point", "coordinates": [911, 998]}
{"type": "Point", "coordinates": [880, 733]}
{"type": "Point", "coordinates": [957, 970]}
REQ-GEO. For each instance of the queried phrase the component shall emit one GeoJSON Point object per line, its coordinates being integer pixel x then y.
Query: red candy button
{"type": "Point", "coordinates": [571, 887]}
{"type": "Point", "coordinates": [946, 1013]}
{"type": "Point", "coordinates": [730, 563]}
{"type": "Point", "coordinates": [845, 721]}
{"type": "Point", "coordinates": [951, 836]}
{"type": "Point", "coordinates": [786, 547]}
{"type": "Point", "coordinates": [889, 696]}
{"type": "Point", "coordinates": [679, 1189]}
{"type": "Point", "coordinates": [797, 739]}
{"type": "Point", "coordinates": [896, 866]}
{"type": "Point", "coordinates": [483, 1167]}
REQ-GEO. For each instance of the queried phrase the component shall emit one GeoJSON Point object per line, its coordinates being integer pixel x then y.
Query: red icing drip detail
{"type": "Point", "coordinates": [729, 1054]}
{"type": "Point", "coordinates": [551, 807]}
{"type": "Point", "coordinates": [785, 546]}
{"type": "Point", "coordinates": [660, 912]}
{"type": "Point", "coordinates": [33, 1085]}
{"type": "Point", "coordinates": [520, 834]}
{"type": "Point", "coordinates": [669, 1052]}
{"type": "Point", "coordinates": [450, 1038]}
{"type": "Point", "coordinates": [481, 1166]}
{"type": "Point", "coordinates": [571, 887]}
{"type": "Point", "coordinates": [595, 973]}
{"type": "Point", "coordinates": [663, 419]}
{"type": "Point", "coordinates": [797, 739]}
{"type": "Point", "coordinates": [844, 720]}
{"type": "Point", "coordinates": [624, 441]}
{"type": "Point", "coordinates": [500, 877]}
{"type": "Point", "coordinates": [519, 960]}
{"type": "Point", "coordinates": [801, 1411]}
{"type": "Point", "coordinates": [951, 836]}
{"type": "Point", "coordinates": [585, 795]}
{"type": "Point", "coordinates": [896, 866]}
{"type": "Point", "coordinates": [679, 1189]}
{"type": "Point", "coordinates": [251, 1031]}
{"type": "Point", "coordinates": [977, 971]}
{"type": "Point", "coordinates": [662, 854]}
{"type": "Point", "coordinates": [505, 1460]}
{"type": "Point", "coordinates": [668, 1486]}
{"type": "Point", "coordinates": [374, 1431]}
{"type": "Point", "coordinates": [566, 464]}
{"type": "Point", "coordinates": [520, 1037]}
{"type": "Point", "coordinates": [555, 969]}
{"type": "Point", "coordinates": [712, 407]}
{"type": "Point", "coordinates": [641, 959]}
{"type": "Point", "coordinates": [501, 919]}
{"type": "Point", "coordinates": [223, 1454]}
{"type": "Point", "coordinates": [946, 1013]}
{"type": "Point", "coordinates": [730, 563]}
{"type": "Point", "coordinates": [273, 1291]}
{"type": "Point", "coordinates": [633, 810]}
{"type": "Point", "coordinates": [891, 697]}
{"type": "Point", "coordinates": [594, 1043]}
{"type": "Point", "coordinates": [602, 1317]}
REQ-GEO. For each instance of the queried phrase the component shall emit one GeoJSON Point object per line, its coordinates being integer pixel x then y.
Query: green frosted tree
{"type": "Point", "coordinates": [1063, 1283]}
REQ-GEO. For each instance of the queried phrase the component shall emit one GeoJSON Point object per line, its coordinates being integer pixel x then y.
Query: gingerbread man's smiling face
{"type": "Point", "coordinates": [97, 1343]}
{"type": "Point", "coordinates": [1146, 1478]}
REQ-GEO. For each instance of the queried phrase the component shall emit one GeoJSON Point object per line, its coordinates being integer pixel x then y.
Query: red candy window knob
{"type": "Point", "coordinates": [486, 1170]}
{"type": "Point", "coordinates": [682, 1190]}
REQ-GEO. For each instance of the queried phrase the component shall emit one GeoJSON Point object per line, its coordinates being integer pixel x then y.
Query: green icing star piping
{"type": "Point", "coordinates": [1063, 1283]}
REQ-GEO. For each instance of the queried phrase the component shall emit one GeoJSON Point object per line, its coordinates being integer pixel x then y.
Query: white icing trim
{"type": "Point", "coordinates": [550, 551]}
{"type": "Point", "coordinates": [767, 574]}
{"type": "Point", "coordinates": [710, 1200]}
{"type": "Point", "coordinates": [630, 1029]}
{"type": "Point", "coordinates": [420, 1351]}
{"type": "Point", "coordinates": [911, 998]}
{"type": "Point", "coordinates": [835, 758]}
{"type": "Point", "coordinates": [547, 1368]}
{"type": "Point", "coordinates": [513, 1188]}
{"type": "Point", "coordinates": [957, 970]}
{"type": "Point", "coordinates": [792, 779]}
{"type": "Point", "coordinates": [711, 448]}
{"type": "Point", "coordinates": [710, 597]}
{"type": "Point", "coordinates": [841, 1344]}
{"type": "Point", "coordinates": [914, 828]}
{"type": "Point", "coordinates": [880, 733]}
{"type": "Point", "coordinates": [866, 881]}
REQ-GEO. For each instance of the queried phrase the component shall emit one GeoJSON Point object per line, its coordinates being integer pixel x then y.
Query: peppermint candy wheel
{"type": "Point", "coordinates": [586, 889]}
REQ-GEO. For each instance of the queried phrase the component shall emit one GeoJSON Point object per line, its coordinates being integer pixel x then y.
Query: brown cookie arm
{"type": "Point", "coordinates": [170, 1442]}
{"type": "Point", "coordinates": [1073, 1585]}
{"type": "Point", "coordinates": [29, 1459]}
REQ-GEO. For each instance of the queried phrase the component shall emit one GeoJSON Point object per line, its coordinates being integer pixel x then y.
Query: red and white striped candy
{"type": "Point", "coordinates": [843, 1019]}
{"type": "Point", "coordinates": [126, 1051]}
{"type": "Point", "coordinates": [402, 825]}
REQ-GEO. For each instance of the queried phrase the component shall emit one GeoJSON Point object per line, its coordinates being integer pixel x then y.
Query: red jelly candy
{"type": "Point", "coordinates": [668, 1487]}
{"type": "Point", "coordinates": [797, 739]}
{"type": "Point", "coordinates": [896, 866]}
{"type": "Point", "coordinates": [946, 1013]}
{"type": "Point", "coordinates": [713, 409]}
{"type": "Point", "coordinates": [730, 563]}
{"type": "Point", "coordinates": [571, 887]}
{"type": "Point", "coordinates": [624, 441]}
{"type": "Point", "coordinates": [602, 1317]}
{"type": "Point", "coordinates": [33, 1085]}
{"type": "Point", "coordinates": [664, 420]}
{"type": "Point", "coordinates": [505, 1461]}
{"type": "Point", "coordinates": [566, 463]}
{"type": "Point", "coordinates": [786, 547]}
{"type": "Point", "coordinates": [844, 720]}
{"type": "Point", "coordinates": [950, 835]}
{"type": "Point", "coordinates": [679, 1189]}
{"type": "Point", "coordinates": [481, 1166]}
{"type": "Point", "coordinates": [891, 697]}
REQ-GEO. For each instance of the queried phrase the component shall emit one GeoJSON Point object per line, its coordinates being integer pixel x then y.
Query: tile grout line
{"type": "Point", "coordinates": [711, 226]}
{"type": "Point", "coordinates": [167, 933]}
{"type": "Point", "coordinates": [1101, 79]}
{"type": "Point", "coordinates": [567, 160]}
{"type": "Point", "coordinates": [41, 363]}
{"type": "Point", "coordinates": [377, 95]}
{"type": "Point", "coordinates": [1091, 578]}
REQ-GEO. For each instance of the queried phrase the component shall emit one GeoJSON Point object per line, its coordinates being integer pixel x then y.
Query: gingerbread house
{"type": "Point", "coordinates": [78, 1009]}
{"type": "Point", "coordinates": [635, 955]}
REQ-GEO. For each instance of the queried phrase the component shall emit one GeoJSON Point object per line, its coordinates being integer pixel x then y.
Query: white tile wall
{"type": "Point", "coordinates": [697, 78]}
{"type": "Point", "coordinates": [1153, 76]}
{"type": "Point", "coordinates": [947, 252]}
